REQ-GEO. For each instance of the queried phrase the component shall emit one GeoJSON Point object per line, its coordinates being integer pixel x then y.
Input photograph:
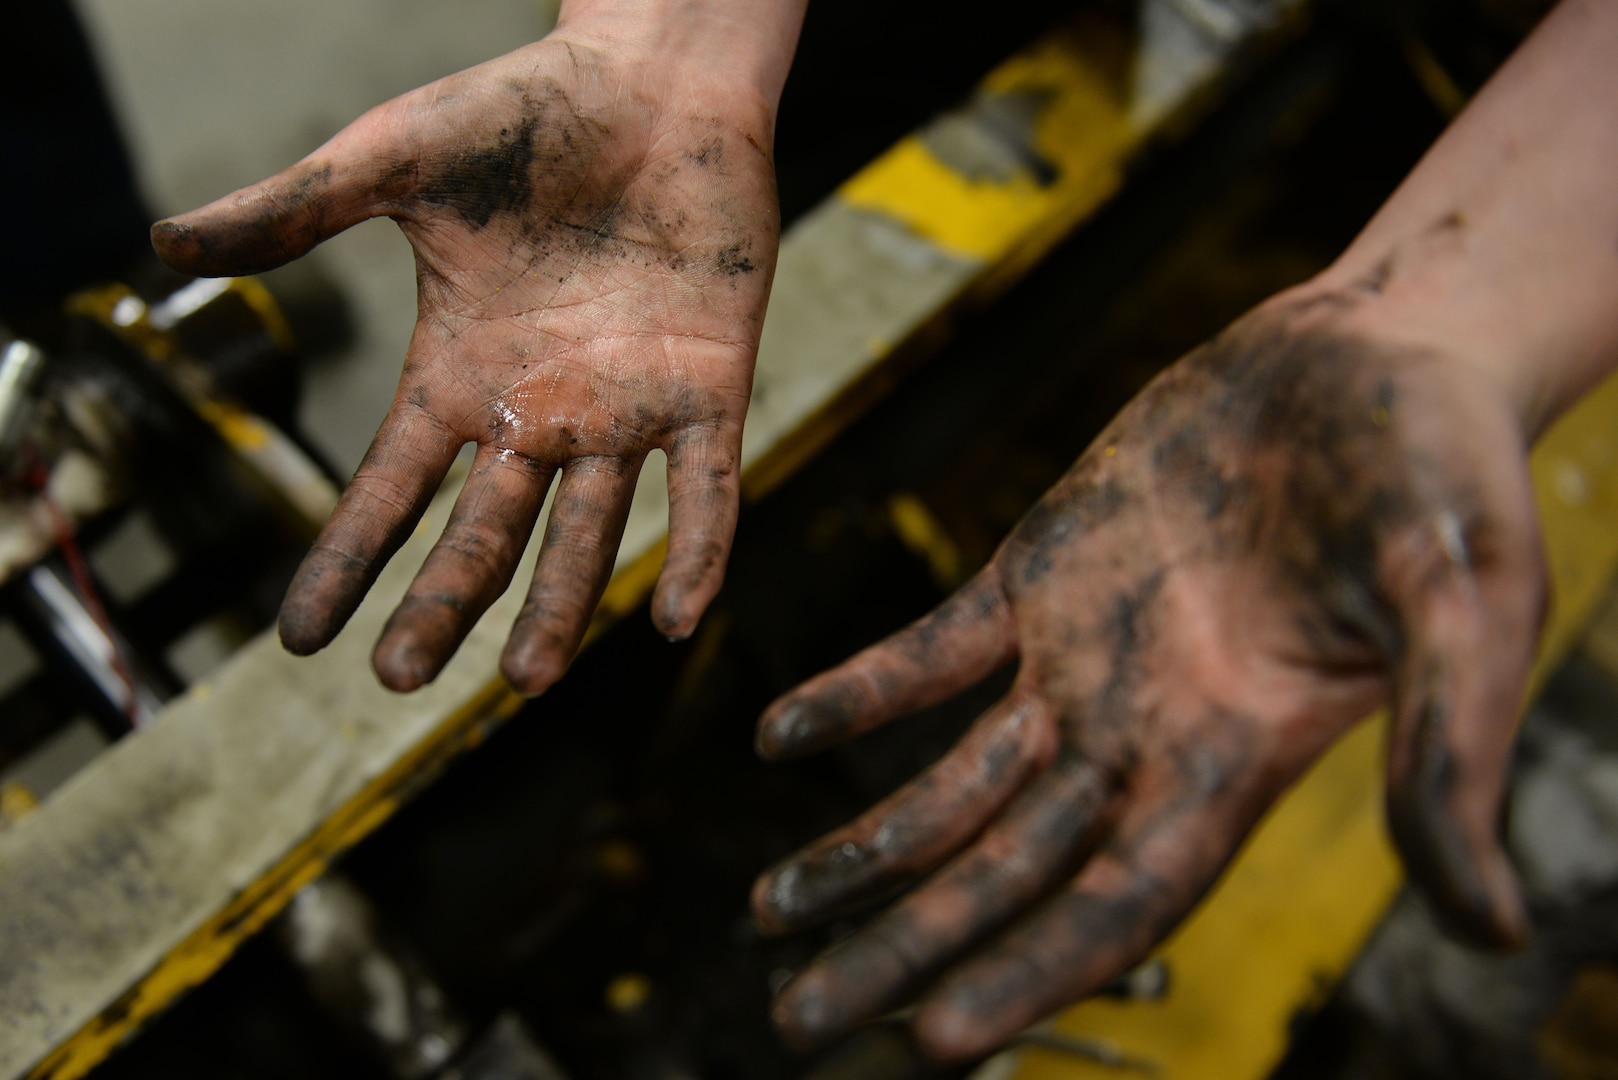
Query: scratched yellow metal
{"type": "Point", "coordinates": [1300, 900]}
{"type": "Point", "coordinates": [1084, 130]}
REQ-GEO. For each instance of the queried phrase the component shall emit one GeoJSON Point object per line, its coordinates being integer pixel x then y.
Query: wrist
{"type": "Point", "coordinates": [1497, 249]}
{"type": "Point", "coordinates": [1433, 293]}
{"type": "Point", "coordinates": [721, 48]}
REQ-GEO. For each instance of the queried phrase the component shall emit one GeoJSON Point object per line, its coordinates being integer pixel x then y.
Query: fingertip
{"type": "Point", "coordinates": [1491, 912]}
{"type": "Point", "coordinates": [188, 250]}
{"type": "Point", "coordinates": [205, 252]}
{"type": "Point", "coordinates": [261, 226]}
{"type": "Point", "coordinates": [1510, 923]}
{"type": "Point", "coordinates": [672, 619]}
{"type": "Point", "coordinates": [302, 632]}
{"type": "Point", "coordinates": [403, 666]}
{"type": "Point", "coordinates": [757, 903]}
{"type": "Point", "coordinates": [325, 591]}
{"type": "Point", "coordinates": [679, 603]}
{"type": "Point", "coordinates": [1474, 896]}
{"type": "Point", "coordinates": [767, 915]}
{"type": "Point", "coordinates": [532, 670]}
{"type": "Point", "coordinates": [806, 1013]}
{"type": "Point", "coordinates": [170, 237]}
{"type": "Point", "coordinates": [947, 1030]}
{"type": "Point", "coordinates": [399, 682]}
{"type": "Point", "coordinates": [788, 729]}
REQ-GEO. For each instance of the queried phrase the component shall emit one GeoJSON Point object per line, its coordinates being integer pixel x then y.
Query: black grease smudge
{"type": "Point", "coordinates": [1062, 519]}
{"type": "Point", "coordinates": [479, 184]}
{"type": "Point", "coordinates": [733, 261]}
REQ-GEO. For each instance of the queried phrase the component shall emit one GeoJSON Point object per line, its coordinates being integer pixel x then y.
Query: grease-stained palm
{"type": "Point", "coordinates": [1289, 527]}
{"type": "Point", "coordinates": [594, 242]}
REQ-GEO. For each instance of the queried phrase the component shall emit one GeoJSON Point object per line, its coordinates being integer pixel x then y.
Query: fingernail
{"type": "Point", "coordinates": [169, 230]}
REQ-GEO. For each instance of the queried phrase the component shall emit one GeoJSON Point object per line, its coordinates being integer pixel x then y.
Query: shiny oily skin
{"type": "Point", "coordinates": [1287, 528]}
{"type": "Point", "coordinates": [592, 269]}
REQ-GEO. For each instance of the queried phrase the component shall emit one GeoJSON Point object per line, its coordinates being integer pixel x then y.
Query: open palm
{"type": "Point", "coordinates": [594, 243]}
{"type": "Point", "coordinates": [1288, 528]}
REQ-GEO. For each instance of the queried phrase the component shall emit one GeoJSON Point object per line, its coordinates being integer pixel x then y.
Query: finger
{"type": "Point", "coordinates": [468, 568]}
{"type": "Point", "coordinates": [1170, 843]}
{"type": "Point", "coordinates": [1042, 835]}
{"type": "Point", "coordinates": [276, 220]}
{"type": "Point", "coordinates": [962, 641]}
{"type": "Point", "coordinates": [918, 826]}
{"type": "Point", "coordinates": [1460, 688]}
{"type": "Point", "coordinates": [704, 494]}
{"type": "Point", "coordinates": [575, 564]}
{"type": "Point", "coordinates": [408, 459]}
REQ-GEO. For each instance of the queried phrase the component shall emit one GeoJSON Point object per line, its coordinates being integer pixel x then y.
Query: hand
{"type": "Point", "coordinates": [595, 230]}
{"type": "Point", "coordinates": [1292, 525]}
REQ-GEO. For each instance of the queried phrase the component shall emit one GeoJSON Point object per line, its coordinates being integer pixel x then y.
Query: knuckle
{"type": "Point", "coordinates": [545, 616]}
{"type": "Point", "coordinates": [327, 555]}
{"type": "Point", "coordinates": [372, 496]}
{"type": "Point", "coordinates": [576, 541]}
{"type": "Point", "coordinates": [489, 550]}
{"type": "Point", "coordinates": [1008, 863]}
{"type": "Point", "coordinates": [946, 1032]}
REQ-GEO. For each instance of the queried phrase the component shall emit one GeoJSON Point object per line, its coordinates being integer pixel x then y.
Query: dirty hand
{"type": "Point", "coordinates": [1288, 528]}
{"type": "Point", "coordinates": [595, 228]}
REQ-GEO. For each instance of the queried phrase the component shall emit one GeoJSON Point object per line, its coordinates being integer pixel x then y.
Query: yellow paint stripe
{"type": "Point", "coordinates": [1083, 130]}
{"type": "Point", "coordinates": [1313, 881]}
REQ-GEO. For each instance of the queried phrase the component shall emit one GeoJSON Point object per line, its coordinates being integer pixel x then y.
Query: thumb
{"type": "Point", "coordinates": [1459, 692]}
{"type": "Point", "coordinates": [276, 220]}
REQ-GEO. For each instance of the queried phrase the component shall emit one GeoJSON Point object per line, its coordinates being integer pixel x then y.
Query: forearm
{"type": "Point", "coordinates": [1502, 244]}
{"type": "Point", "coordinates": [746, 45]}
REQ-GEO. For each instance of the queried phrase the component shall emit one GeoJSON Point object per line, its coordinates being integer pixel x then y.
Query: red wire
{"type": "Point", "coordinates": [38, 478]}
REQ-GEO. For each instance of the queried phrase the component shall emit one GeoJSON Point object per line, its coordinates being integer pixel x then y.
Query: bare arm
{"type": "Point", "coordinates": [743, 45]}
{"type": "Point", "coordinates": [1502, 244]}
{"type": "Point", "coordinates": [595, 228]}
{"type": "Point", "coordinates": [1323, 510]}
